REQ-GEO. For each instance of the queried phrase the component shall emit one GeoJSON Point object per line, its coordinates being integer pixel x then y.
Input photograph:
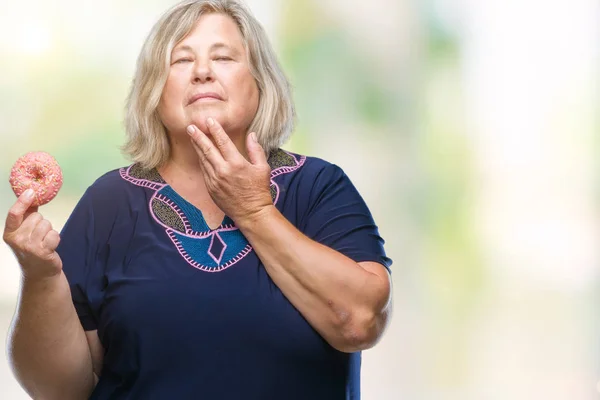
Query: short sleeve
{"type": "Point", "coordinates": [339, 218]}
{"type": "Point", "coordinates": [77, 250]}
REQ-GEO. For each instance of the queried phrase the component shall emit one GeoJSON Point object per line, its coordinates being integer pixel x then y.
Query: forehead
{"type": "Point", "coordinates": [213, 28]}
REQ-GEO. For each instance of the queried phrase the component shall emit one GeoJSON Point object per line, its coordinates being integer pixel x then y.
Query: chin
{"type": "Point", "coordinates": [199, 118]}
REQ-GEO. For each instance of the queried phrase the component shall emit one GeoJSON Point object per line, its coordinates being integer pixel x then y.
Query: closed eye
{"type": "Point", "coordinates": [182, 60]}
{"type": "Point", "coordinates": [223, 59]}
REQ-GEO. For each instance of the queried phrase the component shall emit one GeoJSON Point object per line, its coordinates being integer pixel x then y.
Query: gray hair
{"type": "Point", "coordinates": [147, 141]}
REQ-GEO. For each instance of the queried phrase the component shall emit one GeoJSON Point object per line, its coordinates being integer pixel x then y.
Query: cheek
{"type": "Point", "coordinates": [246, 90]}
{"type": "Point", "coordinates": [170, 92]}
{"type": "Point", "coordinates": [171, 100]}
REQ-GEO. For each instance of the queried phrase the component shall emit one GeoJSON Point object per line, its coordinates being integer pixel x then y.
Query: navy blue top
{"type": "Point", "coordinates": [186, 312]}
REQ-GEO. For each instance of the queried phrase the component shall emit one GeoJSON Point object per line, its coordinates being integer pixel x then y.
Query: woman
{"type": "Point", "coordinates": [216, 266]}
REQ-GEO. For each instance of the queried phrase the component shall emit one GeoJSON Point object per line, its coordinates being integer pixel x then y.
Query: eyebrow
{"type": "Point", "coordinates": [218, 45]}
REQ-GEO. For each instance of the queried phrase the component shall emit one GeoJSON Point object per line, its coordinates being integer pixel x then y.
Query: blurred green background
{"type": "Point", "coordinates": [470, 128]}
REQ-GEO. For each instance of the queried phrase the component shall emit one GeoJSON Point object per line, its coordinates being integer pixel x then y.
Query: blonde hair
{"type": "Point", "coordinates": [147, 141]}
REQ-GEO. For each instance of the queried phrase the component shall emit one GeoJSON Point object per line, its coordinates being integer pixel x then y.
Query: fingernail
{"type": "Point", "coordinates": [210, 122]}
{"type": "Point", "coordinates": [253, 136]}
{"type": "Point", "coordinates": [190, 129]}
{"type": "Point", "coordinates": [28, 194]}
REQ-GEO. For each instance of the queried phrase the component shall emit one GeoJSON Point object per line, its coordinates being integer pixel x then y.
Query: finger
{"type": "Point", "coordinates": [206, 165]}
{"type": "Point", "coordinates": [30, 210]}
{"type": "Point", "coordinates": [30, 223]}
{"type": "Point", "coordinates": [19, 211]}
{"type": "Point", "coordinates": [222, 140]}
{"type": "Point", "coordinates": [256, 153]}
{"type": "Point", "coordinates": [40, 231]}
{"type": "Point", "coordinates": [207, 150]}
{"type": "Point", "coordinates": [51, 240]}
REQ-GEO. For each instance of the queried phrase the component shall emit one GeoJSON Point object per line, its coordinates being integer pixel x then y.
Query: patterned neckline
{"type": "Point", "coordinates": [209, 250]}
{"type": "Point", "coordinates": [280, 161]}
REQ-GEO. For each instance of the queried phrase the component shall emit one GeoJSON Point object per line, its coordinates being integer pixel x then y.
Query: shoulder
{"type": "Point", "coordinates": [109, 180]}
{"type": "Point", "coordinates": [302, 166]}
{"type": "Point", "coordinates": [108, 199]}
{"type": "Point", "coordinates": [122, 180]}
{"type": "Point", "coordinates": [107, 188]}
{"type": "Point", "coordinates": [113, 191]}
{"type": "Point", "coordinates": [318, 175]}
{"type": "Point", "coordinates": [316, 181]}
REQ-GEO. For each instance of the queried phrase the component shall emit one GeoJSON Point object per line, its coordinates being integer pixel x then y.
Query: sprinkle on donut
{"type": "Point", "coordinates": [38, 171]}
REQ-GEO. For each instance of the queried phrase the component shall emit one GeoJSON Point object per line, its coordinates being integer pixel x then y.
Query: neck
{"type": "Point", "coordinates": [184, 161]}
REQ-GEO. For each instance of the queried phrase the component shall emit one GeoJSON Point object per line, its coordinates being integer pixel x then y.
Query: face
{"type": "Point", "coordinates": [210, 76]}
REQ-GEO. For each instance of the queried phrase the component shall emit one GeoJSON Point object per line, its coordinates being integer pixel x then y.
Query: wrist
{"type": "Point", "coordinates": [257, 218]}
{"type": "Point", "coordinates": [38, 279]}
{"type": "Point", "coordinates": [42, 284]}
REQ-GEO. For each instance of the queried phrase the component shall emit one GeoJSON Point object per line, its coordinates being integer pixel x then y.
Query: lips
{"type": "Point", "coordinates": [206, 95]}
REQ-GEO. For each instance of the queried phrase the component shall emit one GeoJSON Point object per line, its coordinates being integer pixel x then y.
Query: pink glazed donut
{"type": "Point", "coordinates": [39, 171]}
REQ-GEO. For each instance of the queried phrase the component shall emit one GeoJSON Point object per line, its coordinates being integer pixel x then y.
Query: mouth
{"type": "Point", "coordinates": [205, 97]}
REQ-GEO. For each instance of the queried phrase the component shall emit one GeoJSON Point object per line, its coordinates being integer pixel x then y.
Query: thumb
{"type": "Point", "coordinates": [20, 210]}
{"type": "Point", "coordinates": [255, 151]}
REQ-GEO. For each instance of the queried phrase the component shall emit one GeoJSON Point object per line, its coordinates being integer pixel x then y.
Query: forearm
{"type": "Point", "coordinates": [344, 302]}
{"type": "Point", "coordinates": [47, 348]}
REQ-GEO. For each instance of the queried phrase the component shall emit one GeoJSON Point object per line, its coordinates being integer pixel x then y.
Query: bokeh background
{"type": "Point", "coordinates": [469, 126]}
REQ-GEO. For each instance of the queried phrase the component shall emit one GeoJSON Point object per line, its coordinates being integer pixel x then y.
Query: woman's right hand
{"type": "Point", "coordinates": [32, 239]}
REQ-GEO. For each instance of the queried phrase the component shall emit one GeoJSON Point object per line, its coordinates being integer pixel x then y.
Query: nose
{"type": "Point", "coordinates": [202, 72]}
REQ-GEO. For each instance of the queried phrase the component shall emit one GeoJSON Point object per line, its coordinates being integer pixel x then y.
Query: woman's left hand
{"type": "Point", "coordinates": [240, 188]}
